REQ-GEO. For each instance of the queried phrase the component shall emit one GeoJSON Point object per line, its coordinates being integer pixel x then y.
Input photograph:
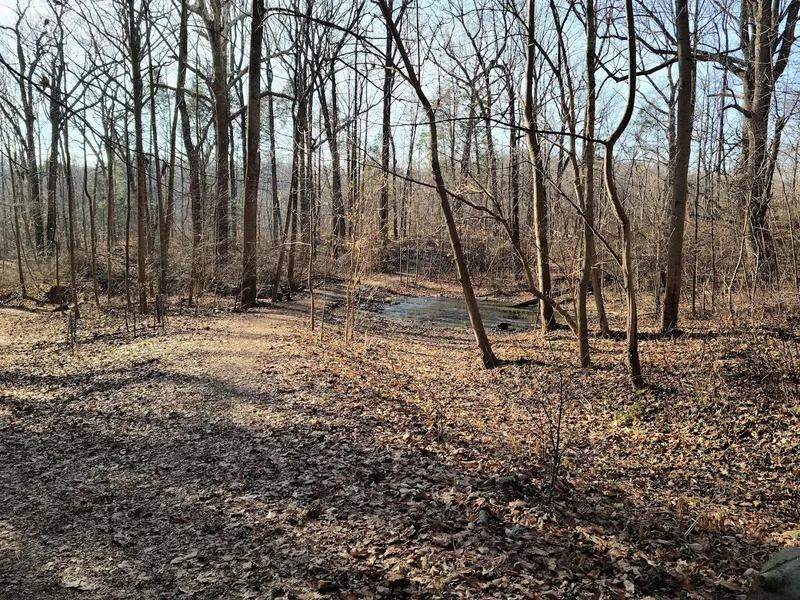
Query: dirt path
{"type": "Point", "coordinates": [203, 462]}
{"type": "Point", "coordinates": [237, 457]}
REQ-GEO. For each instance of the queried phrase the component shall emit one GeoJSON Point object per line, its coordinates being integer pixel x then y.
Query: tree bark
{"type": "Point", "coordinates": [70, 219]}
{"type": "Point", "coordinates": [108, 132]}
{"type": "Point", "coordinates": [680, 172]}
{"type": "Point", "coordinates": [588, 258]}
{"type": "Point", "coordinates": [92, 225]}
{"type": "Point", "coordinates": [141, 160]}
{"type": "Point", "coordinates": [632, 329]}
{"type": "Point", "coordinates": [386, 134]}
{"type": "Point", "coordinates": [766, 52]}
{"type": "Point", "coordinates": [487, 355]}
{"type": "Point", "coordinates": [273, 159]}
{"type": "Point", "coordinates": [161, 217]}
{"type": "Point", "coordinates": [15, 222]}
{"type": "Point", "coordinates": [252, 168]}
{"type": "Point", "coordinates": [539, 191]}
{"type": "Point", "coordinates": [331, 123]}
{"type": "Point", "coordinates": [25, 83]}
{"type": "Point", "coordinates": [56, 74]}
{"type": "Point", "coordinates": [192, 152]}
{"type": "Point", "coordinates": [217, 29]}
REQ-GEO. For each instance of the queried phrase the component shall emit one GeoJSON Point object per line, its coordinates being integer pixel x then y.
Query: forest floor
{"type": "Point", "coordinates": [243, 456]}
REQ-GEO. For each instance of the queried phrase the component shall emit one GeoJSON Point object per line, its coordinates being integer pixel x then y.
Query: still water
{"type": "Point", "coordinates": [452, 312]}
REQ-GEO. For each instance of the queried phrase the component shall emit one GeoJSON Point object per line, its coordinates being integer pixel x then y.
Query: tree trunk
{"type": "Point", "coordinates": [386, 133]}
{"type": "Point", "coordinates": [588, 258]}
{"type": "Point", "coordinates": [15, 222]}
{"type": "Point", "coordinates": [331, 123]}
{"type": "Point", "coordinates": [513, 181]}
{"type": "Point", "coordinates": [110, 198]}
{"type": "Point", "coordinates": [632, 329]}
{"type": "Point", "coordinates": [141, 159]}
{"type": "Point", "coordinates": [92, 225]}
{"type": "Point", "coordinates": [52, 167]}
{"type": "Point", "coordinates": [71, 220]}
{"type": "Point", "coordinates": [276, 282]}
{"type": "Point", "coordinates": [26, 94]}
{"type": "Point", "coordinates": [192, 152]}
{"type": "Point", "coordinates": [273, 160]}
{"type": "Point", "coordinates": [539, 191]}
{"type": "Point", "coordinates": [766, 53]}
{"type": "Point", "coordinates": [217, 28]}
{"type": "Point", "coordinates": [161, 222]}
{"type": "Point", "coordinates": [252, 168]}
{"type": "Point", "coordinates": [169, 219]}
{"type": "Point", "coordinates": [596, 276]}
{"type": "Point", "coordinates": [680, 171]}
{"type": "Point", "coordinates": [489, 359]}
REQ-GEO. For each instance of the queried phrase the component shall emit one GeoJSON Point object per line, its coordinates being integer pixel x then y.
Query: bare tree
{"type": "Point", "coordinates": [626, 259]}
{"type": "Point", "coordinates": [57, 69]}
{"type": "Point", "coordinates": [252, 169]}
{"type": "Point", "coordinates": [216, 18]}
{"type": "Point", "coordinates": [24, 74]}
{"type": "Point", "coordinates": [134, 20]}
{"type": "Point", "coordinates": [680, 169]}
{"type": "Point", "coordinates": [540, 208]}
{"type": "Point", "coordinates": [487, 355]}
{"type": "Point", "coordinates": [386, 128]}
{"type": "Point", "coordinates": [192, 149]}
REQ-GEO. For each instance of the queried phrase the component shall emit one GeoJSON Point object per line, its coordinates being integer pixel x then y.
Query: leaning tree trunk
{"type": "Point", "coordinates": [489, 359]}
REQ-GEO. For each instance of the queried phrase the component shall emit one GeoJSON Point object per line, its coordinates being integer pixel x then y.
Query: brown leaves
{"type": "Point", "coordinates": [394, 468]}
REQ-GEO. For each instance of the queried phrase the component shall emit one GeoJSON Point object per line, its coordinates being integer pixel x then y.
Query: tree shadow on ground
{"type": "Point", "coordinates": [146, 481]}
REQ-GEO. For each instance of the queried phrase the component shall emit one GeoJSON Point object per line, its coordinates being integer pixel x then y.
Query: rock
{"type": "Point", "coordinates": [484, 518]}
{"type": "Point", "coordinates": [515, 531]}
{"type": "Point", "coordinates": [780, 577]}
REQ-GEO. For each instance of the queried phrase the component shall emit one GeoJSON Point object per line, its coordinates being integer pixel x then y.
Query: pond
{"type": "Point", "coordinates": [452, 312]}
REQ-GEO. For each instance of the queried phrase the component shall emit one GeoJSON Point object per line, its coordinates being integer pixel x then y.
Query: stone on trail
{"type": "Point", "coordinates": [780, 577]}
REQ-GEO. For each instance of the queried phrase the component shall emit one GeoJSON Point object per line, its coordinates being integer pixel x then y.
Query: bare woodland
{"type": "Point", "coordinates": [524, 121]}
{"type": "Point", "coordinates": [267, 176]}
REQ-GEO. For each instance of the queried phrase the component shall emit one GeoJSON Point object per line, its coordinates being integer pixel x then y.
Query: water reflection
{"type": "Point", "coordinates": [452, 312]}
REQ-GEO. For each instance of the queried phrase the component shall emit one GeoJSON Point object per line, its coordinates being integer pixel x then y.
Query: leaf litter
{"type": "Point", "coordinates": [239, 456]}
